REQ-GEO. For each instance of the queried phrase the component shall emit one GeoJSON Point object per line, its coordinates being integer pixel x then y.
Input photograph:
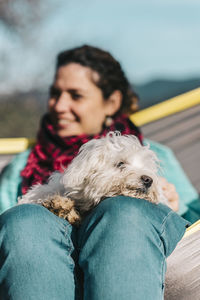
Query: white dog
{"type": "Point", "coordinates": [105, 167]}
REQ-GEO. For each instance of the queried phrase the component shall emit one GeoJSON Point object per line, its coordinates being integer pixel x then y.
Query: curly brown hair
{"type": "Point", "coordinates": [111, 75]}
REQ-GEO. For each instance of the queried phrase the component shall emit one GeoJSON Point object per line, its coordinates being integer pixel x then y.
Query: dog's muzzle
{"type": "Point", "coordinates": [146, 180]}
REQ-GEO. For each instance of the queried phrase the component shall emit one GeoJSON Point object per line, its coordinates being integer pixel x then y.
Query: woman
{"type": "Point", "coordinates": [120, 249]}
{"type": "Point", "coordinates": [88, 98]}
{"type": "Point", "coordinates": [97, 98]}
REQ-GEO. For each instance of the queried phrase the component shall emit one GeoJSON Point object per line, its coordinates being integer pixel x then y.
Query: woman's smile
{"type": "Point", "coordinates": [76, 104]}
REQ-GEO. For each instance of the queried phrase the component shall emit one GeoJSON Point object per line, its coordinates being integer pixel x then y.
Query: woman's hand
{"type": "Point", "coordinates": [170, 193]}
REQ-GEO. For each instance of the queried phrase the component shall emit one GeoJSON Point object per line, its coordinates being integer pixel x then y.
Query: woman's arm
{"type": "Point", "coordinates": [10, 181]}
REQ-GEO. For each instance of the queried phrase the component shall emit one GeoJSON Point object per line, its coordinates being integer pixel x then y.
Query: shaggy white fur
{"type": "Point", "coordinates": [105, 167]}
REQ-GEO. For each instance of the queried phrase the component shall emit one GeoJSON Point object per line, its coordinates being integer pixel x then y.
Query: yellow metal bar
{"type": "Point", "coordinates": [166, 108]}
{"type": "Point", "coordinates": [193, 228]}
{"type": "Point", "coordinates": [15, 145]}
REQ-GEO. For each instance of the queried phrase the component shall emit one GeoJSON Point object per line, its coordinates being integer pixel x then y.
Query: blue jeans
{"type": "Point", "coordinates": [118, 253]}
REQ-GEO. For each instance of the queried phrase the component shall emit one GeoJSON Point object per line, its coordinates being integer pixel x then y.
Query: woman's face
{"type": "Point", "coordinates": [76, 104]}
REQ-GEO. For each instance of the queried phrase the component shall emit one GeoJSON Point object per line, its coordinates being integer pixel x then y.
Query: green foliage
{"type": "Point", "coordinates": [20, 116]}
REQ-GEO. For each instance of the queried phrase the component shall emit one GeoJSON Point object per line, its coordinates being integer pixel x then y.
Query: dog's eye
{"type": "Point", "coordinates": [120, 164]}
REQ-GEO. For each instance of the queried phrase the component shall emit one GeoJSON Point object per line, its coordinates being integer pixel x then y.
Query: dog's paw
{"type": "Point", "coordinates": [64, 208]}
{"type": "Point", "coordinates": [74, 217]}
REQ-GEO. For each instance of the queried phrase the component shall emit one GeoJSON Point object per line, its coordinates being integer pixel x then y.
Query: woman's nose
{"type": "Point", "coordinates": [63, 103]}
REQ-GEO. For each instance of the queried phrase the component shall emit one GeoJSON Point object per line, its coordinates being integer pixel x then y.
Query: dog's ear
{"type": "Point", "coordinates": [112, 141]}
{"type": "Point", "coordinates": [82, 164]}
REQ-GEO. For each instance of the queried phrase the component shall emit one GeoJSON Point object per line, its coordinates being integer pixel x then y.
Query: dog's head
{"type": "Point", "coordinates": [112, 165]}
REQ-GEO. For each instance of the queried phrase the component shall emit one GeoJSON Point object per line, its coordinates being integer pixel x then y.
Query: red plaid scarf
{"type": "Point", "coordinates": [55, 153]}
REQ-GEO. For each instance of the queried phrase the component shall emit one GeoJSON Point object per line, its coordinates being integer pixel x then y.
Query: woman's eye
{"type": "Point", "coordinates": [120, 164]}
{"type": "Point", "coordinates": [76, 96]}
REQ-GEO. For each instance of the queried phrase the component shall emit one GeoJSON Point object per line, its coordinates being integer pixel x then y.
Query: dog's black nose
{"type": "Point", "coordinates": [147, 181]}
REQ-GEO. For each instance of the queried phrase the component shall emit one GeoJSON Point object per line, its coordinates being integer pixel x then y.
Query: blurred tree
{"type": "Point", "coordinates": [19, 16]}
{"type": "Point", "coordinates": [21, 22]}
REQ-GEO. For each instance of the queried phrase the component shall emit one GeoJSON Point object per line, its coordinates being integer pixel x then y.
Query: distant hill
{"type": "Point", "coordinates": [157, 91]}
{"type": "Point", "coordinates": [20, 112]}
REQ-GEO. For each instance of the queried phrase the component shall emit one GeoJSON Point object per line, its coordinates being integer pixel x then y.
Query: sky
{"type": "Point", "coordinates": [152, 39]}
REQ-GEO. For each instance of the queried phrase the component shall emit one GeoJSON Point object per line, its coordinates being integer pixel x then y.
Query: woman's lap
{"type": "Point", "coordinates": [38, 252]}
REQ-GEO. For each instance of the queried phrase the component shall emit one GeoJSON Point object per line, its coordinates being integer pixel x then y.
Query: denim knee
{"type": "Point", "coordinates": [121, 215]}
{"type": "Point", "coordinates": [157, 219]}
{"type": "Point", "coordinates": [23, 229]}
{"type": "Point", "coordinates": [125, 237]}
{"type": "Point", "coordinates": [121, 207]}
{"type": "Point", "coordinates": [37, 258]}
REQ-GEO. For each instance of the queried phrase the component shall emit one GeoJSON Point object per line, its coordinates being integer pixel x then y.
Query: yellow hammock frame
{"type": "Point", "coordinates": [192, 229]}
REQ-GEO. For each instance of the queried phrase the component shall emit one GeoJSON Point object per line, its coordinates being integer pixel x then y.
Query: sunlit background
{"type": "Point", "coordinates": [157, 43]}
